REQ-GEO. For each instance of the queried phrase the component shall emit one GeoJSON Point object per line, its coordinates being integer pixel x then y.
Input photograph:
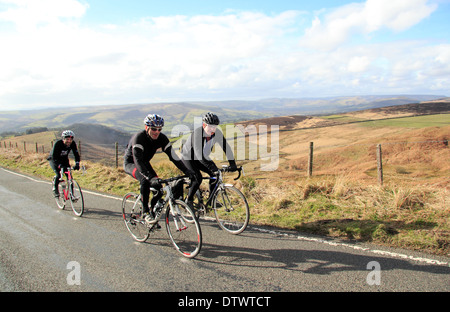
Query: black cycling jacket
{"type": "Point", "coordinates": [198, 147]}
{"type": "Point", "coordinates": [141, 149]}
{"type": "Point", "coordinates": [60, 153]}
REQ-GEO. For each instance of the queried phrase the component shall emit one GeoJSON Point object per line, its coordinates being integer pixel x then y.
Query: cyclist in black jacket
{"type": "Point", "coordinates": [59, 157]}
{"type": "Point", "coordinates": [198, 147]}
{"type": "Point", "coordinates": [140, 150]}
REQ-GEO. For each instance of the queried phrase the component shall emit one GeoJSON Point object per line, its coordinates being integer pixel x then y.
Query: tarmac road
{"type": "Point", "coordinates": [46, 249]}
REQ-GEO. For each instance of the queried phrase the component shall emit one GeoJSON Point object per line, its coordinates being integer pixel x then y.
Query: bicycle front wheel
{"type": "Point", "coordinates": [61, 200]}
{"type": "Point", "coordinates": [76, 199]}
{"type": "Point", "coordinates": [231, 209]}
{"type": "Point", "coordinates": [131, 213]}
{"type": "Point", "coordinates": [183, 229]}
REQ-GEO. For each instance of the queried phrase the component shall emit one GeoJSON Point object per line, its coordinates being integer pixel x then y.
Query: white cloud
{"type": "Point", "coordinates": [29, 14]}
{"type": "Point", "coordinates": [338, 26]}
{"type": "Point", "coordinates": [358, 64]}
{"type": "Point", "coordinates": [56, 59]}
{"type": "Point", "coordinates": [154, 55]}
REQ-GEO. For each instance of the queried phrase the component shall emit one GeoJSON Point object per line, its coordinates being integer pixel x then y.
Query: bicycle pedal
{"type": "Point", "coordinates": [154, 227]}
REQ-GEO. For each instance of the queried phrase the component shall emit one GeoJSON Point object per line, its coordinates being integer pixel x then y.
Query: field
{"type": "Point", "coordinates": [342, 199]}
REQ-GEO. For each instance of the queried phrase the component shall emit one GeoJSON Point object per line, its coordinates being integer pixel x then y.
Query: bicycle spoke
{"type": "Point", "coordinates": [231, 210]}
{"type": "Point", "coordinates": [183, 229]}
{"type": "Point", "coordinates": [76, 199]}
{"type": "Point", "coordinates": [131, 213]}
{"type": "Point", "coordinates": [60, 201]}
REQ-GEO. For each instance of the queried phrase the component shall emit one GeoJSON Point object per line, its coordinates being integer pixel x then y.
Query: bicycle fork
{"type": "Point", "coordinates": [180, 224]}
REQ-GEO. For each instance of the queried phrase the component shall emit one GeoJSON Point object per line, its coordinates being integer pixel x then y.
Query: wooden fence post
{"type": "Point", "coordinates": [310, 159]}
{"type": "Point", "coordinates": [379, 165]}
{"type": "Point", "coordinates": [24, 146]}
{"type": "Point", "coordinates": [117, 154]}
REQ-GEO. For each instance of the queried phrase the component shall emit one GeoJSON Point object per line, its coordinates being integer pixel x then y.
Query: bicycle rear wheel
{"type": "Point", "coordinates": [231, 209]}
{"type": "Point", "coordinates": [76, 199]}
{"type": "Point", "coordinates": [131, 213]}
{"type": "Point", "coordinates": [61, 200]}
{"type": "Point", "coordinates": [183, 229]}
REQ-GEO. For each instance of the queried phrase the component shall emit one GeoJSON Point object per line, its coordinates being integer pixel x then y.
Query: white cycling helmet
{"type": "Point", "coordinates": [154, 120]}
{"type": "Point", "coordinates": [67, 133]}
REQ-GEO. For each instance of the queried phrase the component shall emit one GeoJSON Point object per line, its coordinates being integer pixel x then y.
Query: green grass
{"type": "Point", "coordinates": [342, 118]}
{"type": "Point", "coordinates": [411, 122]}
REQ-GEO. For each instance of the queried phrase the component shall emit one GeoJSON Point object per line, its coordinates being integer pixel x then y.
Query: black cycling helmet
{"type": "Point", "coordinates": [211, 119]}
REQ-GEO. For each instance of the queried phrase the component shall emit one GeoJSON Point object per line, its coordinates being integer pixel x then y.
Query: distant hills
{"type": "Point", "coordinates": [129, 118]}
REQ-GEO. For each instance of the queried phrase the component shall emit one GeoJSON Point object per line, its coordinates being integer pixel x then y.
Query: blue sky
{"type": "Point", "coordinates": [104, 52]}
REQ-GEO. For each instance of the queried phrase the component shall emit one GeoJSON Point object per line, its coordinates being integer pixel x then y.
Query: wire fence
{"type": "Point", "coordinates": [107, 154]}
{"type": "Point", "coordinates": [407, 159]}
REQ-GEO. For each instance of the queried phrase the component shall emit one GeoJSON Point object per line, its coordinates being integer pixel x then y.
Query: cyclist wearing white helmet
{"type": "Point", "coordinates": [140, 150]}
{"type": "Point", "coordinates": [59, 156]}
{"type": "Point", "coordinates": [198, 147]}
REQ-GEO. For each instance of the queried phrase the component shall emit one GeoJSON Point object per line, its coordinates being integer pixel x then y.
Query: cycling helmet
{"type": "Point", "coordinates": [211, 119]}
{"type": "Point", "coordinates": [67, 133]}
{"type": "Point", "coordinates": [154, 120]}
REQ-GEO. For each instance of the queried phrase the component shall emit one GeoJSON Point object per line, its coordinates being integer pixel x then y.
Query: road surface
{"type": "Point", "coordinates": [47, 249]}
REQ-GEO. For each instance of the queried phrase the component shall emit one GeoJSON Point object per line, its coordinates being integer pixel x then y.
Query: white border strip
{"type": "Point", "coordinates": [355, 247]}
{"type": "Point", "coordinates": [40, 181]}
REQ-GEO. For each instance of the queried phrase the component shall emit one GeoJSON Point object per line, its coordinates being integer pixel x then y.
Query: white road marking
{"type": "Point", "coordinates": [355, 247]}
{"type": "Point", "coordinates": [50, 183]}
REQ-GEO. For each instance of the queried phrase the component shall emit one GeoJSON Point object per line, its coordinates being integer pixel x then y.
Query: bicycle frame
{"type": "Point", "coordinates": [70, 192]}
{"type": "Point", "coordinates": [179, 219]}
{"type": "Point", "coordinates": [218, 185]}
{"type": "Point", "coordinates": [230, 206]}
{"type": "Point", "coordinates": [168, 202]}
{"type": "Point", "coordinates": [68, 174]}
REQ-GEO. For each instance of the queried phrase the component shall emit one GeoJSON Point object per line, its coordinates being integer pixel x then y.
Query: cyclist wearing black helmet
{"type": "Point", "coordinates": [59, 157]}
{"type": "Point", "coordinates": [198, 147]}
{"type": "Point", "coordinates": [140, 150]}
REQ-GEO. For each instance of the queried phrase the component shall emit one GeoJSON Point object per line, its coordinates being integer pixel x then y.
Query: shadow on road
{"type": "Point", "coordinates": [312, 261]}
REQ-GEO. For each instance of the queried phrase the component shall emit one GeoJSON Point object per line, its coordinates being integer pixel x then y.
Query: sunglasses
{"type": "Point", "coordinates": [156, 129]}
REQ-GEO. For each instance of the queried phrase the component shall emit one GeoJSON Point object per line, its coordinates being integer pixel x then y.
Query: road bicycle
{"type": "Point", "coordinates": [230, 206]}
{"type": "Point", "coordinates": [181, 225]}
{"type": "Point", "coordinates": [70, 191]}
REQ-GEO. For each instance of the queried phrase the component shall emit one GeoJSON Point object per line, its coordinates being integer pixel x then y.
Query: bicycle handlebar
{"type": "Point", "coordinates": [166, 181]}
{"type": "Point", "coordinates": [71, 168]}
{"type": "Point", "coordinates": [224, 169]}
{"type": "Point", "coordinates": [227, 169]}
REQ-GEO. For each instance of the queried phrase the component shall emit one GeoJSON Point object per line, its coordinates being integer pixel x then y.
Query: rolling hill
{"type": "Point", "coordinates": [128, 118]}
